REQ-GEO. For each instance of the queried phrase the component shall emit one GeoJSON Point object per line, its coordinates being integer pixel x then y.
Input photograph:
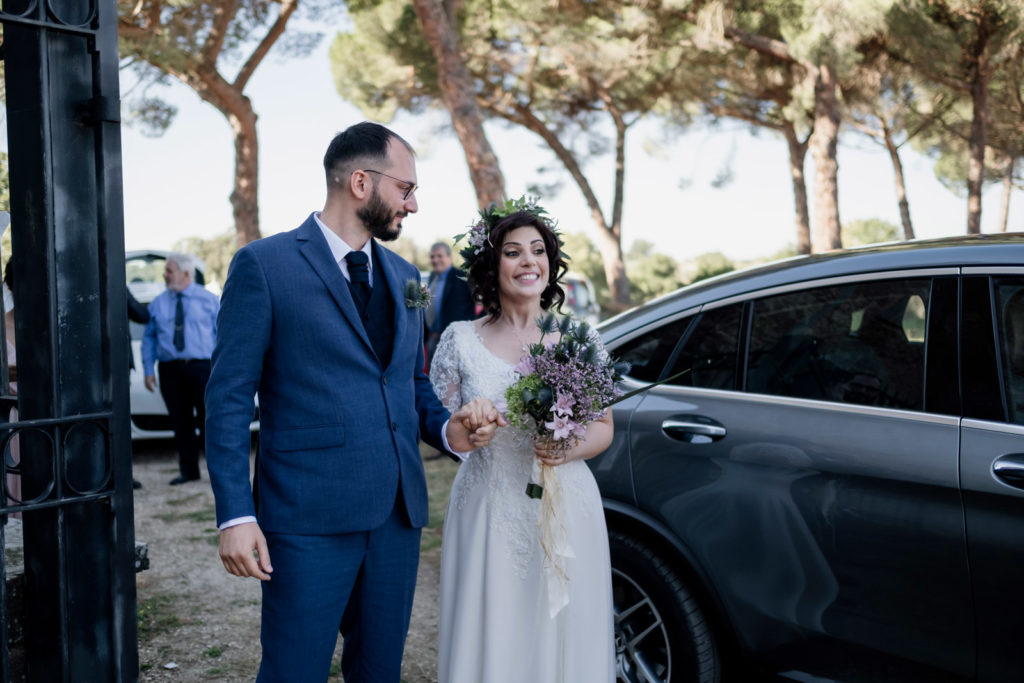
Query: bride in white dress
{"type": "Point", "coordinates": [498, 622]}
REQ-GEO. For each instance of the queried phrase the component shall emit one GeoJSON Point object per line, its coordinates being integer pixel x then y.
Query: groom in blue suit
{"type": "Point", "coordinates": [315, 321]}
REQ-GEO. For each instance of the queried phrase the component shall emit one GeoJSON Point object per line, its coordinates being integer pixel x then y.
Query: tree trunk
{"type": "Point", "coordinates": [1004, 209]}
{"type": "Point", "coordinates": [979, 135]}
{"type": "Point", "coordinates": [901, 185]}
{"type": "Point", "coordinates": [457, 91]}
{"type": "Point", "coordinates": [797, 154]}
{"type": "Point", "coordinates": [237, 109]}
{"type": "Point", "coordinates": [245, 195]}
{"type": "Point", "coordinates": [614, 264]}
{"type": "Point", "coordinates": [824, 142]}
{"type": "Point", "coordinates": [614, 271]}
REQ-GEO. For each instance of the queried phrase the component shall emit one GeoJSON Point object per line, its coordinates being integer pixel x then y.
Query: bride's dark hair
{"type": "Point", "coordinates": [483, 271]}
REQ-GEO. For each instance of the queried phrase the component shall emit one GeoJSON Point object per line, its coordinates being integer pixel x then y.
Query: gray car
{"type": "Point", "coordinates": [834, 487]}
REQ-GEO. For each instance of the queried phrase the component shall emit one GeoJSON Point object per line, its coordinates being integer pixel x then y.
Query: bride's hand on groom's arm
{"type": "Point", "coordinates": [473, 425]}
{"type": "Point", "coordinates": [243, 550]}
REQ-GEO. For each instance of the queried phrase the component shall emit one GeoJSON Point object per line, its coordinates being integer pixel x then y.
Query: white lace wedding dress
{"type": "Point", "coordinates": [495, 612]}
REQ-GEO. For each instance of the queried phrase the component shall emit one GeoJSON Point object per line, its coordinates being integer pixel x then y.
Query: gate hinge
{"type": "Point", "coordinates": [99, 109]}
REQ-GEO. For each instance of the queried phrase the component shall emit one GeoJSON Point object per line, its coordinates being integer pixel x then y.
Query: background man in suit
{"type": "Point", "coordinates": [315, 321]}
{"type": "Point", "coordinates": [180, 334]}
{"type": "Point", "coordinates": [450, 297]}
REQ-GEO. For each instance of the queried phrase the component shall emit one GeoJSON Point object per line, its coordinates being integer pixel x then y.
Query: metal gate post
{"type": "Point", "coordinates": [60, 61]}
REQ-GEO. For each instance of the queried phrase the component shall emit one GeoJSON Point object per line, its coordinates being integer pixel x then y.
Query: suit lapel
{"type": "Point", "coordinates": [392, 276]}
{"type": "Point", "coordinates": [314, 249]}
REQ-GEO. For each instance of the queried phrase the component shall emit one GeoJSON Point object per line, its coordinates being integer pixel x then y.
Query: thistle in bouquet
{"type": "Point", "coordinates": [562, 388]}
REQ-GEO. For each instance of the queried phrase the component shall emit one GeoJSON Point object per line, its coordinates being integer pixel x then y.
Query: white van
{"type": "Point", "coordinates": [579, 298]}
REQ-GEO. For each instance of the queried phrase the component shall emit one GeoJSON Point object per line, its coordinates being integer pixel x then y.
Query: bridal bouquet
{"type": "Point", "coordinates": [562, 387]}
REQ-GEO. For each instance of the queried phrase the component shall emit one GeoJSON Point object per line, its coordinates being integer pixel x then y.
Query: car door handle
{"type": "Point", "coordinates": [685, 429]}
{"type": "Point", "coordinates": [1010, 468]}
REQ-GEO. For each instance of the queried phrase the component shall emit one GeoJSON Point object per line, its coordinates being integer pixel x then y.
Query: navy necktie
{"type": "Point", "coordinates": [179, 324]}
{"type": "Point", "coordinates": [359, 274]}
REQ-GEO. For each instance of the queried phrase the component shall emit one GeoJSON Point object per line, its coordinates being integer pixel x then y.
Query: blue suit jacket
{"type": "Point", "coordinates": [338, 433]}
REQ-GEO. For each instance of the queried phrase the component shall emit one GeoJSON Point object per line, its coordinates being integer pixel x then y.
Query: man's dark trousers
{"type": "Point", "coordinates": [183, 386]}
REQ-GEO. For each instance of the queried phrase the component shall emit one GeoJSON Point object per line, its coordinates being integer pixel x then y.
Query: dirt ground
{"type": "Point", "coordinates": [197, 622]}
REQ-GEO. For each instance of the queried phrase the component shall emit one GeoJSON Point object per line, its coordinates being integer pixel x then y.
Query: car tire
{"type": "Point", "coordinates": [660, 632]}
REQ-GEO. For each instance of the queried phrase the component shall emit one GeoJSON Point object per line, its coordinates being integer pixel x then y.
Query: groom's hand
{"type": "Point", "coordinates": [243, 550]}
{"type": "Point", "coordinates": [473, 425]}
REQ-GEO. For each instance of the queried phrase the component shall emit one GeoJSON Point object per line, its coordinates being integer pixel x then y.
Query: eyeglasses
{"type": "Point", "coordinates": [409, 190]}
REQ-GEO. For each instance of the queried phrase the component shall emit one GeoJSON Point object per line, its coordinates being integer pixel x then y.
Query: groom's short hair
{"type": "Point", "coordinates": [358, 147]}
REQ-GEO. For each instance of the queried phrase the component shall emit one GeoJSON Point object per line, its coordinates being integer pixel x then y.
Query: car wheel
{"type": "Point", "coordinates": [661, 634]}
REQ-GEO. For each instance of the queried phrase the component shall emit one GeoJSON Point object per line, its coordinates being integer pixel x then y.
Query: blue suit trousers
{"type": "Point", "coordinates": [360, 584]}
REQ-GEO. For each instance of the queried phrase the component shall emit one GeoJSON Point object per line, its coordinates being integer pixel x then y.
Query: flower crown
{"type": "Point", "coordinates": [479, 234]}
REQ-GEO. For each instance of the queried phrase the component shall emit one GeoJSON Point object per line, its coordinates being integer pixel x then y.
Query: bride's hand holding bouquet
{"type": "Point", "coordinates": [562, 395]}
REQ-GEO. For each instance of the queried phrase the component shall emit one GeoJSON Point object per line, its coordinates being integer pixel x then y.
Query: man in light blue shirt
{"type": "Point", "coordinates": [180, 337]}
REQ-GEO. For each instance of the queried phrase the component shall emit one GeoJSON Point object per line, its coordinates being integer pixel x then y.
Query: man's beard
{"type": "Point", "coordinates": [377, 217]}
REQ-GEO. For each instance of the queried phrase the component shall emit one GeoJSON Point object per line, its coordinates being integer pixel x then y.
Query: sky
{"type": "Point", "coordinates": [177, 185]}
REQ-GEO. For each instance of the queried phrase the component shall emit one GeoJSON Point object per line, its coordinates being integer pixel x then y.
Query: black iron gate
{"type": "Point", "coordinates": [69, 447]}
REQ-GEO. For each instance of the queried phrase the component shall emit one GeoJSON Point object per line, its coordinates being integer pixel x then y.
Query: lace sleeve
{"type": "Point", "coordinates": [445, 371]}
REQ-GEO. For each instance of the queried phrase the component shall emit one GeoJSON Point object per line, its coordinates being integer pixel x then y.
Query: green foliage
{"type": "Point", "coordinates": [412, 252]}
{"type": "Point", "coordinates": [382, 63]}
{"type": "Point", "coordinates": [650, 274]}
{"type": "Point", "coordinates": [215, 252]}
{"type": "Point", "coordinates": [711, 264]}
{"type": "Point", "coordinates": [786, 251]}
{"type": "Point", "coordinates": [940, 41]}
{"type": "Point", "coordinates": [157, 39]}
{"type": "Point", "coordinates": [870, 231]}
{"type": "Point", "coordinates": [155, 616]}
{"type": "Point", "coordinates": [528, 396]}
{"type": "Point", "coordinates": [577, 75]}
{"type": "Point", "coordinates": [440, 473]}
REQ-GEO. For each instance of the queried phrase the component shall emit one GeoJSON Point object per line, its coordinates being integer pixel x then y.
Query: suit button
{"type": "Point", "coordinates": [385, 380]}
{"type": "Point", "coordinates": [394, 426]}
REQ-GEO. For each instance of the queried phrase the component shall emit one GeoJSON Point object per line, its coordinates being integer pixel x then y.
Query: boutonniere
{"type": "Point", "coordinates": [416, 295]}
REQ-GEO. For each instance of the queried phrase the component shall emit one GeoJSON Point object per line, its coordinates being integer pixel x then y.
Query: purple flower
{"type": "Point", "coordinates": [525, 366]}
{"type": "Point", "coordinates": [563, 406]}
{"type": "Point", "coordinates": [560, 427]}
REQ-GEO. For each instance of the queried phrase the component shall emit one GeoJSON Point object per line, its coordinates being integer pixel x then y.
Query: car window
{"type": "Point", "coordinates": [708, 356]}
{"type": "Point", "coordinates": [648, 353]}
{"type": "Point", "coordinates": [859, 343]}
{"type": "Point", "coordinates": [1009, 294]}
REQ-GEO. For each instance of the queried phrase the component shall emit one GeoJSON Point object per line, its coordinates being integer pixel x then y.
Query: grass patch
{"type": "Point", "coordinates": [216, 671]}
{"type": "Point", "coordinates": [156, 616]}
{"type": "Point", "coordinates": [429, 542]}
{"type": "Point", "coordinates": [185, 499]}
{"type": "Point", "coordinates": [213, 541]}
{"type": "Point", "coordinates": [203, 516]}
{"type": "Point", "coordinates": [213, 651]}
{"type": "Point", "coordinates": [440, 474]}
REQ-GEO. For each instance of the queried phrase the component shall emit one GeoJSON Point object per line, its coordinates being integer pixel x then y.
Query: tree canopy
{"type": "Point", "coordinates": [214, 47]}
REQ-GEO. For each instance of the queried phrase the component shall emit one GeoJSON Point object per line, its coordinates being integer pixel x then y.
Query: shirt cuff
{"type": "Point", "coordinates": [444, 440]}
{"type": "Point", "coordinates": [236, 521]}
